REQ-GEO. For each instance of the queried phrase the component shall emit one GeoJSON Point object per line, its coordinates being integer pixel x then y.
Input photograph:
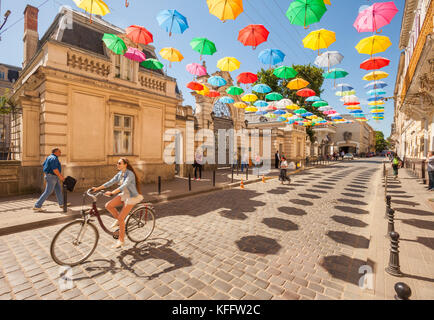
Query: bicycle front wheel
{"type": "Point", "coordinates": [140, 224]}
{"type": "Point", "coordinates": [74, 243]}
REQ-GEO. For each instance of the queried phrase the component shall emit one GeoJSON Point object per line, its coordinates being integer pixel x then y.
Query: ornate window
{"type": "Point", "coordinates": [122, 134]}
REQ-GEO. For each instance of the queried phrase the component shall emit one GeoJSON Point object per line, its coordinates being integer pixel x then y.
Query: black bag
{"type": "Point", "coordinates": [69, 183]}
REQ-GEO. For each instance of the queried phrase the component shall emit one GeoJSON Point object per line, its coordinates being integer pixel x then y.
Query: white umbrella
{"type": "Point", "coordinates": [329, 59]}
{"type": "Point", "coordinates": [281, 104]}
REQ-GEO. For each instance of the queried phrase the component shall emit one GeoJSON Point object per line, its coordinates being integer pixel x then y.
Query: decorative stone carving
{"type": "Point", "coordinates": [151, 83]}
{"type": "Point", "coordinates": [347, 135]}
{"type": "Point", "coordinates": [76, 61]}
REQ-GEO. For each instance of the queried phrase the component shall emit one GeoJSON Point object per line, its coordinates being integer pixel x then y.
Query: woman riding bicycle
{"type": "Point", "coordinates": [129, 185]}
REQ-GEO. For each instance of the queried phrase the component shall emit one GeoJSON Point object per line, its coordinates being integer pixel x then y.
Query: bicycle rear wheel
{"type": "Point", "coordinates": [74, 243]}
{"type": "Point", "coordinates": [140, 224]}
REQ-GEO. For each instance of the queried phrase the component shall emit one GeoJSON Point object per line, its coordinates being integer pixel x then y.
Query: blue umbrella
{"type": "Point", "coordinates": [281, 119]}
{"type": "Point", "coordinates": [271, 56]}
{"type": "Point", "coordinates": [376, 85]}
{"type": "Point", "coordinates": [344, 87]}
{"type": "Point", "coordinates": [375, 99]}
{"type": "Point", "coordinates": [261, 88]}
{"type": "Point", "coordinates": [279, 112]}
{"type": "Point", "coordinates": [226, 100]}
{"type": "Point", "coordinates": [261, 103]}
{"type": "Point", "coordinates": [261, 113]}
{"type": "Point", "coordinates": [217, 81]}
{"type": "Point", "coordinates": [356, 111]}
{"type": "Point", "coordinates": [172, 21]}
{"type": "Point", "coordinates": [375, 92]}
{"type": "Point", "coordinates": [291, 121]}
{"type": "Point", "coordinates": [313, 99]}
{"type": "Point", "coordinates": [336, 118]}
{"type": "Point", "coordinates": [307, 114]}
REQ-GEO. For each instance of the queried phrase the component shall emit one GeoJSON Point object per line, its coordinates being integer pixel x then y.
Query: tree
{"type": "Point", "coordinates": [380, 143]}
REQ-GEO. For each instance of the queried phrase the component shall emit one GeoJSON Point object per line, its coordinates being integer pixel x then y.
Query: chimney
{"type": "Point", "coordinates": [31, 36]}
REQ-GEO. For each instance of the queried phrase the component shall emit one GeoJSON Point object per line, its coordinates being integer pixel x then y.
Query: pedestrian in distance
{"type": "Point", "coordinates": [276, 159]}
{"type": "Point", "coordinates": [198, 160]}
{"type": "Point", "coordinates": [53, 176]}
{"type": "Point", "coordinates": [245, 162]}
{"type": "Point", "coordinates": [129, 185]}
{"type": "Point", "coordinates": [396, 164]}
{"type": "Point", "coordinates": [430, 161]}
{"type": "Point", "coordinates": [283, 169]}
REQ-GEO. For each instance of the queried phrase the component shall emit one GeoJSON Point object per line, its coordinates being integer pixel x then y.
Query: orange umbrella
{"type": "Point", "coordinates": [139, 34]}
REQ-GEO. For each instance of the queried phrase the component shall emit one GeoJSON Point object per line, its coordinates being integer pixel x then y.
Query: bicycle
{"type": "Point", "coordinates": [76, 241]}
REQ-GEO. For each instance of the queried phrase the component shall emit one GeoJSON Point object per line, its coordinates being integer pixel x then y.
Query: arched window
{"type": "Point", "coordinates": [221, 110]}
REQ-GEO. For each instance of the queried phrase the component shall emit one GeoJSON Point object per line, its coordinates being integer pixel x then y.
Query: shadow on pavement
{"type": "Point", "coordinates": [345, 268]}
{"type": "Point", "coordinates": [308, 195]}
{"type": "Point", "coordinates": [316, 190]}
{"type": "Point", "coordinates": [426, 241]}
{"type": "Point", "coordinates": [280, 224]}
{"type": "Point", "coordinates": [280, 190]}
{"type": "Point", "coordinates": [354, 202]}
{"type": "Point", "coordinates": [301, 202]}
{"type": "Point", "coordinates": [421, 224]}
{"type": "Point", "coordinates": [354, 190]}
{"type": "Point", "coordinates": [407, 203]}
{"type": "Point", "coordinates": [417, 212]}
{"type": "Point", "coordinates": [351, 210]}
{"type": "Point", "coordinates": [349, 221]}
{"type": "Point", "coordinates": [258, 244]}
{"type": "Point", "coordinates": [352, 195]}
{"type": "Point", "coordinates": [349, 239]}
{"type": "Point", "coordinates": [357, 186]}
{"type": "Point", "coordinates": [292, 211]}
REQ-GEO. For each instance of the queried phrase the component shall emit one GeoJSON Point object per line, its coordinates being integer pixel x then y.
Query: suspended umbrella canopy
{"type": "Point", "coordinates": [374, 63]}
{"type": "Point", "coordinates": [282, 104]}
{"type": "Point", "coordinates": [135, 54]}
{"type": "Point", "coordinates": [375, 92]}
{"type": "Point", "coordinates": [234, 91]}
{"type": "Point", "coordinates": [345, 93]}
{"type": "Point", "coordinates": [260, 103]}
{"type": "Point", "coordinates": [274, 96]}
{"type": "Point", "coordinates": [228, 64]}
{"type": "Point", "coordinates": [378, 103]}
{"type": "Point", "coordinates": [196, 69]}
{"type": "Point", "coordinates": [97, 7]}
{"type": "Point", "coordinates": [313, 99]}
{"type": "Point", "coordinates": [261, 88]}
{"type": "Point", "coordinates": [253, 35]}
{"type": "Point", "coordinates": [319, 39]}
{"type": "Point", "coordinates": [297, 84]}
{"type": "Point", "coordinates": [306, 92]}
{"type": "Point", "coordinates": [114, 43]}
{"type": "Point", "coordinates": [293, 107]}
{"type": "Point", "coordinates": [261, 112]}
{"type": "Point", "coordinates": [204, 91]}
{"type": "Point", "coordinates": [249, 97]}
{"type": "Point", "coordinates": [152, 64]}
{"type": "Point", "coordinates": [213, 94]}
{"type": "Point", "coordinates": [375, 99]}
{"type": "Point", "coordinates": [335, 74]}
{"type": "Point", "coordinates": [375, 75]}
{"type": "Point", "coordinates": [196, 86]}
{"type": "Point", "coordinates": [355, 103]}
{"type": "Point", "coordinates": [171, 54]}
{"type": "Point", "coordinates": [307, 114]}
{"type": "Point", "coordinates": [356, 111]}
{"type": "Point", "coordinates": [217, 81]}
{"type": "Point", "coordinates": [247, 78]}
{"type": "Point", "coordinates": [373, 45]}
{"type": "Point", "coordinates": [285, 72]}
{"type": "Point", "coordinates": [172, 21]}
{"type": "Point", "coordinates": [377, 111]}
{"type": "Point", "coordinates": [270, 115]}
{"type": "Point", "coordinates": [328, 59]}
{"type": "Point", "coordinates": [226, 100]}
{"type": "Point", "coordinates": [279, 112]}
{"type": "Point", "coordinates": [139, 34]}
{"type": "Point", "coordinates": [271, 108]}
{"type": "Point", "coordinates": [271, 56]}
{"type": "Point", "coordinates": [375, 17]}
{"type": "Point", "coordinates": [344, 87]}
{"type": "Point", "coordinates": [203, 46]}
{"type": "Point", "coordinates": [355, 107]}
{"type": "Point", "coordinates": [300, 111]}
{"type": "Point", "coordinates": [351, 98]}
{"type": "Point", "coordinates": [305, 12]}
{"type": "Point", "coordinates": [320, 104]}
{"type": "Point", "coordinates": [225, 9]}
{"type": "Point", "coordinates": [327, 2]}
{"type": "Point", "coordinates": [376, 85]}
{"type": "Point", "coordinates": [376, 107]}
{"type": "Point", "coordinates": [240, 105]}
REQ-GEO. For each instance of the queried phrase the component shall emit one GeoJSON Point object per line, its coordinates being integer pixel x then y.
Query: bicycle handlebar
{"type": "Point", "coordinates": [96, 195]}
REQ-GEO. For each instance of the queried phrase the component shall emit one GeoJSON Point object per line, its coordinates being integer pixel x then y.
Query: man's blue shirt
{"type": "Point", "coordinates": [51, 163]}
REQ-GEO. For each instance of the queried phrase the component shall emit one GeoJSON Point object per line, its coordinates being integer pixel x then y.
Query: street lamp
{"type": "Point", "coordinates": [7, 14]}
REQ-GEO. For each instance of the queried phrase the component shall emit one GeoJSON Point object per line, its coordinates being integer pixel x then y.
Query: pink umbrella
{"type": "Point", "coordinates": [196, 69]}
{"type": "Point", "coordinates": [135, 54]}
{"type": "Point", "coordinates": [328, 112]}
{"type": "Point", "coordinates": [375, 17]}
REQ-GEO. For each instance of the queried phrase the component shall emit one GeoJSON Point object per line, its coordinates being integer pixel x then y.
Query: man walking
{"type": "Point", "coordinates": [276, 159]}
{"type": "Point", "coordinates": [52, 170]}
{"type": "Point", "coordinates": [430, 161]}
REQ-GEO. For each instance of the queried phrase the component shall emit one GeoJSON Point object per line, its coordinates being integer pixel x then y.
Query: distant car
{"type": "Point", "coordinates": [349, 156]}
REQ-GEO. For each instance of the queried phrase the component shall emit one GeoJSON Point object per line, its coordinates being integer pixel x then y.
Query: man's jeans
{"type": "Point", "coordinates": [53, 183]}
{"type": "Point", "coordinates": [431, 179]}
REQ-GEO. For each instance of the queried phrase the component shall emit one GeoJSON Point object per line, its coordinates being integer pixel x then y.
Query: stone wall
{"type": "Point", "coordinates": [17, 180]}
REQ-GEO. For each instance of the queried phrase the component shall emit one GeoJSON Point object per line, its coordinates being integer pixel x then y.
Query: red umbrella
{"type": "Point", "coordinates": [195, 86]}
{"type": "Point", "coordinates": [247, 77]}
{"type": "Point", "coordinates": [374, 63]}
{"type": "Point", "coordinates": [351, 103]}
{"type": "Point", "coordinates": [306, 92]}
{"type": "Point", "coordinates": [213, 94]}
{"type": "Point", "coordinates": [253, 35]}
{"type": "Point", "coordinates": [139, 34]}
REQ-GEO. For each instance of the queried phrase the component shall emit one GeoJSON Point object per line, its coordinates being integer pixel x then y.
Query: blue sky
{"type": "Point", "coordinates": [271, 13]}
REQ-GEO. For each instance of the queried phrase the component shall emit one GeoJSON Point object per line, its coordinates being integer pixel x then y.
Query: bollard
{"type": "Point", "coordinates": [385, 186]}
{"type": "Point", "coordinates": [247, 173]}
{"type": "Point", "coordinates": [393, 268]}
{"type": "Point", "coordinates": [65, 199]}
{"type": "Point", "coordinates": [423, 172]}
{"type": "Point", "coordinates": [159, 185]}
{"type": "Point", "coordinates": [391, 222]}
{"type": "Point", "coordinates": [189, 181]}
{"type": "Point", "coordinates": [213, 178]}
{"type": "Point", "coordinates": [237, 169]}
{"type": "Point", "coordinates": [388, 204]}
{"type": "Point", "coordinates": [403, 291]}
{"type": "Point", "coordinates": [232, 178]}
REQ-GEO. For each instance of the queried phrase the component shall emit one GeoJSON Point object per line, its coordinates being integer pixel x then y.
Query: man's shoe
{"type": "Point", "coordinates": [67, 204]}
{"type": "Point", "coordinates": [38, 209]}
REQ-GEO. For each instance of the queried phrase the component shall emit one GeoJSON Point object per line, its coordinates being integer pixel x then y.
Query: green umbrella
{"type": "Point", "coordinates": [153, 64]}
{"type": "Point", "coordinates": [300, 111]}
{"type": "Point", "coordinates": [235, 91]}
{"type": "Point", "coordinates": [114, 43]}
{"type": "Point", "coordinates": [203, 46]}
{"type": "Point", "coordinates": [306, 12]}
{"type": "Point", "coordinates": [285, 72]}
{"type": "Point", "coordinates": [320, 104]}
{"type": "Point", "coordinates": [274, 96]}
{"type": "Point", "coordinates": [335, 74]}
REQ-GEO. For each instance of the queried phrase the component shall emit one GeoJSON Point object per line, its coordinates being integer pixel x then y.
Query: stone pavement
{"type": "Point", "coordinates": [306, 240]}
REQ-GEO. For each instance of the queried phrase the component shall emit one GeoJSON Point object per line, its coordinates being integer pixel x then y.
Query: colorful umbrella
{"type": "Point", "coordinates": [253, 35]}
{"type": "Point", "coordinates": [375, 92]}
{"type": "Point", "coordinates": [114, 43]}
{"type": "Point", "coordinates": [320, 104]}
{"type": "Point", "coordinates": [261, 112]}
{"type": "Point", "coordinates": [271, 56]}
{"type": "Point", "coordinates": [251, 109]}
{"type": "Point", "coordinates": [327, 2]}
{"type": "Point", "coordinates": [270, 115]}
{"type": "Point", "coordinates": [228, 64]}
{"type": "Point", "coordinates": [305, 12]}
{"type": "Point", "coordinates": [375, 75]}
{"type": "Point", "coordinates": [261, 88]}
{"type": "Point", "coordinates": [297, 84]}
{"type": "Point", "coordinates": [249, 97]}
{"type": "Point", "coordinates": [285, 72]}
{"type": "Point", "coordinates": [279, 112]}
{"type": "Point", "coordinates": [97, 7]}
{"type": "Point", "coordinates": [226, 100]}
{"type": "Point", "coordinates": [271, 107]}
{"type": "Point", "coordinates": [306, 92]}
{"type": "Point", "coordinates": [335, 74]}
{"type": "Point", "coordinates": [313, 99]}
{"type": "Point", "coordinates": [204, 91]}
{"type": "Point", "coordinates": [341, 93]}
{"type": "Point", "coordinates": [171, 54]}
{"type": "Point", "coordinates": [152, 64]}
{"type": "Point", "coordinates": [247, 78]}
{"type": "Point", "coordinates": [284, 103]}
{"type": "Point", "coordinates": [203, 46]}
{"type": "Point", "coordinates": [225, 9]}
{"type": "Point", "coordinates": [300, 111]}
{"type": "Point", "coordinates": [135, 54]}
{"type": "Point", "coordinates": [319, 39]}
{"type": "Point", "coordinates": [375, 17]}
{"type": "Point", "coordinates": [240, 105]}
{"type": "Point", "coordinates": [234, 91]}
{"type": "Point", "coordinates": [328, 59]}
{"type": "Point", "coordinates": [344, 87]}
{"type": "Point", "coordinates": [375, 98]}
{"type": "Point", "coordinates": [374, 44]}
{"type": "Point", "coordinates": [376, 85]}
{"type": "Point", "coordinates": [196, 69]}
{"type": "Point", "coordinates": [274, 96]}
{"type": "Point", "coordinates": [374, 63]}
{"type": "Point", "coordinates": [376, 103]}
{"type": "Point", "coordinates": [217, 81]}
{"type": "Point", "coordinates": [213, 94]}
{"type": "Point", "coordinates": [139, 34]}
{"type": "Point", "coordinates": [196, 86]}
{"type": "Point", "coordinates": [172, 21]}
{"type": "Point", "coordinates": [260, 103]}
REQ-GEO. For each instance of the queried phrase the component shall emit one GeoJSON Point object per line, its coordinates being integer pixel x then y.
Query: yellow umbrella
{"type": "Point", "coordinates": [204, 91]}
{"type": "Point", "coordinates": [374, 44]}
{"type": "Point", "coordinates": [98, 7]}
{"type": "Point", "coordinates": [353, 108]}
{"type": "Point", "coordinates": [240, 105]}
{"type": "Point", "coordinates": [251, 109]}
{"type": "Point", "coordinates": [376, 103]}
{"type": "Point", "coordinates": [293, 107]}
{"type": "Point", "coordinates": [327, 2]}
{"type": "Point", "coordinates": [228, 64]}
{"type": "Point", "coordinates": [319, 39]}
{"type": "Point", "coordinates": [171, 54]}
{"type": "Point", "coordinates": [375, 75]}
{"type": "Point", "coordinates": [225, 9]}
{"type": "Point", "coordinates": [297, 84]}
{"type": "Point", "coordinates": [249, 98]}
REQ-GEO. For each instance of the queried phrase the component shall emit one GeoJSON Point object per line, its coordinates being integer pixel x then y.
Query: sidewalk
{"type": "Point", "coordinates": [414, 221]}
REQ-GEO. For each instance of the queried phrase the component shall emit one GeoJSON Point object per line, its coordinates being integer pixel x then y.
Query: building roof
{"type": "Point", "coordinates": [407, 22]}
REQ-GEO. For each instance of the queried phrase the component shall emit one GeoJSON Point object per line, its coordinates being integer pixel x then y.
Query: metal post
{"type": "Point", "coordinates": [65, 199]}
{"type": "Point", "coordinates": [237, 169]}
{"type": "Point", "coordinates": [189, 181]}
{"type": "Point", "coordinates": [423, 172]}
{"type": "Point", "coordinates": [232, 179]}
{"type": "Point", "coordinates": [403, 291]}
{"type": "Point", "coordinates": [393, 268]}
{"type": "Point", "coordinates": [388, 204]}
{"type": "Point", "coordinates": [159, 185]}
{"type": "Point", "coordinates": [213, 178]}
{"type": "Point", "coordinates": [247, 172]}
{"type": "Point", "coordinates": [391, 222]}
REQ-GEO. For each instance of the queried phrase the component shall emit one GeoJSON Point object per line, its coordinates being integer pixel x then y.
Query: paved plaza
{"type": "Point", "coordinates": [311, 239]}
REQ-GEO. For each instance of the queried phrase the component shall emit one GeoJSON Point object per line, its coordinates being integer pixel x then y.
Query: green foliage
{"type": "Point", "coordinates": [6, 105]}
{"type": "Point", "coordinates": [380, 143]}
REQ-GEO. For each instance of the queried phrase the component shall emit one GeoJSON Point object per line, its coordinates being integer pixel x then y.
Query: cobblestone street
{"type": "Point", "coordinates": [306, 240]}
